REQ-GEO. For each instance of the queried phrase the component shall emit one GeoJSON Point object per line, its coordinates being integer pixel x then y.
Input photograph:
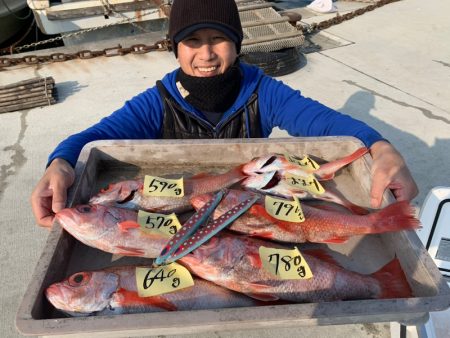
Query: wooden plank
{"type": "Point", "coordinates": [27, 105]}
{"type": "Point", "coordinates": [17, 97]}
{"type": "Point", "coordinates": [38, 4]}
{"type": "Point", "coordinates": [35, 80]}
{"type": "Point", "coordinates": [90, 8]}
{"type": "Point", "coordinates": [38, 89]}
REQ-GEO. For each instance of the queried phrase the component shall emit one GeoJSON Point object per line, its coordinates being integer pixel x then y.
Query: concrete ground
{"type": "Point", "coordinates": [394, 74]}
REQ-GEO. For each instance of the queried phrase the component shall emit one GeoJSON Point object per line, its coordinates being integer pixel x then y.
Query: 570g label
{"type": "Point", "coordinates": [167, 225]}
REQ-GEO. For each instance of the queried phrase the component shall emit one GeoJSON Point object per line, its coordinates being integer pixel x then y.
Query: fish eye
{"type": "Point", "coordinates": [84, 208]}
{"type": "Point", "coordinates": [79, 279]}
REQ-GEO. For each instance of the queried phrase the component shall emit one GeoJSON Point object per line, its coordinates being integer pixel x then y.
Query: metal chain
{"type": "Point", "coordinates": [311, 28]}
{"type": "Point", "coordinates": [160, 45]}
{"type": "Point", "coordinates": [78, 33]}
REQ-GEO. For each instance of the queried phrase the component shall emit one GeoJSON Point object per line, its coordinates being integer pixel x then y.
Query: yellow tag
{"type": "Point", "coordinates": [305, 162]}
{"type": "Point", "coordinates": [308, 183]}
{"type": "Point", "coordinates": [159, 186]}
{"type": "Point", "coordinates": [166, 225]}
{"type": "Point", "coordinates": [285, 264]}
{"type": "Point", "coordinates": [162, 279]}
{"type": "Point", "coordinates": [284, 210]}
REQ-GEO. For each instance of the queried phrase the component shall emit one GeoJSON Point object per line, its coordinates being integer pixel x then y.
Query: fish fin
{"type": "Point", "coordinates": [335, 240]}
{"type": "Point", "coordinates": [127, 251]}
{"type": "Point", "coordinates": [393, 281]}
{"type": "Point", "coordinates": [394, 217]}
{"type": "Point", "coordinates": [328, 170]}
{"type": "Point", "coordinates": [116, 257]}
{"type": "Point", "coordinates": [262, 296]}
{"type": "Point", "coordinates": [320, 254]}
{"type": "Point", "coordinates": [200, 175]}
{"type": "Point", "coordinates": [262, 234]}
{"type": "Point", "coordinates": [125, 225]}
{"type": "Point", "coordinates": [255, 259]}
{"type": "Point", "coordinates": [126, 298]}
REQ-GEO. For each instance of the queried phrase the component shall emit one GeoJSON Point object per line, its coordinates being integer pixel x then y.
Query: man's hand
{"type": "Point", "coordinates": [50, 194]}
{"type": "Point", "coordinates": [389, 171]}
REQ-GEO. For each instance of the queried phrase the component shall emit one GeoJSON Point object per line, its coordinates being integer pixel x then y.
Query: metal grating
{"type": "Point", "coordinates": [265, 30]}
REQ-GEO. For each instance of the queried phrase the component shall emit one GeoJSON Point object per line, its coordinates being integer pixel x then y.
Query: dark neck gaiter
{"type": "Point", "coordinates": [211, 94]}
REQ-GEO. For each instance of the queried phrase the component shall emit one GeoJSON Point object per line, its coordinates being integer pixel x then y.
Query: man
{"type": "Point", "coordinates": [212, 95]}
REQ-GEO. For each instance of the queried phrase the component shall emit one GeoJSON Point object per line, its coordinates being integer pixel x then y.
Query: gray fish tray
{"type": "Point", "coordinates": [102, 162]}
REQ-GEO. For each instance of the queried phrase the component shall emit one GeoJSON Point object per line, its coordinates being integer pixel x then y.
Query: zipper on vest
{"type": "Point", "coordinates": [221, 123]}
{"type": "Point", "coordinates": [204, 121]}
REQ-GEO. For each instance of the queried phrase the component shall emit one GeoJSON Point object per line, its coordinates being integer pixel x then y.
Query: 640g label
{"type": "Point", "coordinates": [162, 279]}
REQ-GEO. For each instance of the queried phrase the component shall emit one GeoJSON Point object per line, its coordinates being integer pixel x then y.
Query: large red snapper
{"type": "Point", "coordinates": [234, 262]}
{"type": "Point", "coordinates": [274, 183]}
{"type": "Point", "coordinates": [114, 291]}
{"type": "Point", "coordinates": [129, 194]}
{"type": "Point", "coordinates": [278, 162]}
{"type": "Point", "coordinates": [322, 226]}
{"type": "Point", "coordinates": [110, 229]}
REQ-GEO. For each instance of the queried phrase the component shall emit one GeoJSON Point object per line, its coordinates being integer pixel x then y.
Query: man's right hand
{"type": "Point", "coordinates": [50, 194]}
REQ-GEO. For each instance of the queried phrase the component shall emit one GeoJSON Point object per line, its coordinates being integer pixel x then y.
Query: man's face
{"type": "Point", "coordinates": [206, 52]}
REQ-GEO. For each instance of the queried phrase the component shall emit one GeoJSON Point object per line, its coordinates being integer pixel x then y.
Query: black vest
{"type": "Point", "coordinates": [179, 124]}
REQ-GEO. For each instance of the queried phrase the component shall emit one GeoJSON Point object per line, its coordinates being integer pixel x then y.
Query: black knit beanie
{"type": "Point", "coordinates": [187, 16]}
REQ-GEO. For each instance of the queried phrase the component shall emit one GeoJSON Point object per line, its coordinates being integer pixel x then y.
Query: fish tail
{"type": "Point", "coordinates": [395, 217]}
{"type": "Point", "coordinates": [327, 170]}
{"type": "Point", "coordinates": [393, 281]}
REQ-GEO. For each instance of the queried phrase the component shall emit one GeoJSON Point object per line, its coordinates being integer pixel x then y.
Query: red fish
{"type": "Point", "coordinates": [234, 262]}
{"type": "Point", "coordinates": [322, 226]}
{"type": "Point", "coordinates": [128, 194]}
{"type": "Point", "coordinates": [114, 291]}
{"type": "Point", "coordinates": [110, 229]}
{"type": "Point", "coordinates": [231, 261]}
{"type": "Point", "coordinates": [273, 183]}
{"type": "Point", "coordinates": [278, 162]}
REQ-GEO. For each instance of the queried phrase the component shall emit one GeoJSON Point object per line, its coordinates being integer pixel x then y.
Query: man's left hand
{"type": "Point", "coordinates": [389, 171]}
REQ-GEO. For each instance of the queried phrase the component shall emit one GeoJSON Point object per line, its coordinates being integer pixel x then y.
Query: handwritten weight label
{"type": "Point", "coordinates": [305, 163]}
{"type": "Point", "coordinates": [308, 183]}
{"type": "Point", "coordinates": [162, 279]}
{"type": "Point", "coordinates": [166, 225]}
{"type": "Point", "coordinates": [284, 210]}
{"type": "Point", "coordinates": [163, 187]}
{"type": "Point", "coordinates": [285, 264]}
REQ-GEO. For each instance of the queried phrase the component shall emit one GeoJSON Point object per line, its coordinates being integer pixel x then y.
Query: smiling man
{"type": "Point", "coordinates": [213, 95]}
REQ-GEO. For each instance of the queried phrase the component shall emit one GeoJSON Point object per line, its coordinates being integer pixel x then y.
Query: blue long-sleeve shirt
{"type": "Point", "coordinates": [279, 106]}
